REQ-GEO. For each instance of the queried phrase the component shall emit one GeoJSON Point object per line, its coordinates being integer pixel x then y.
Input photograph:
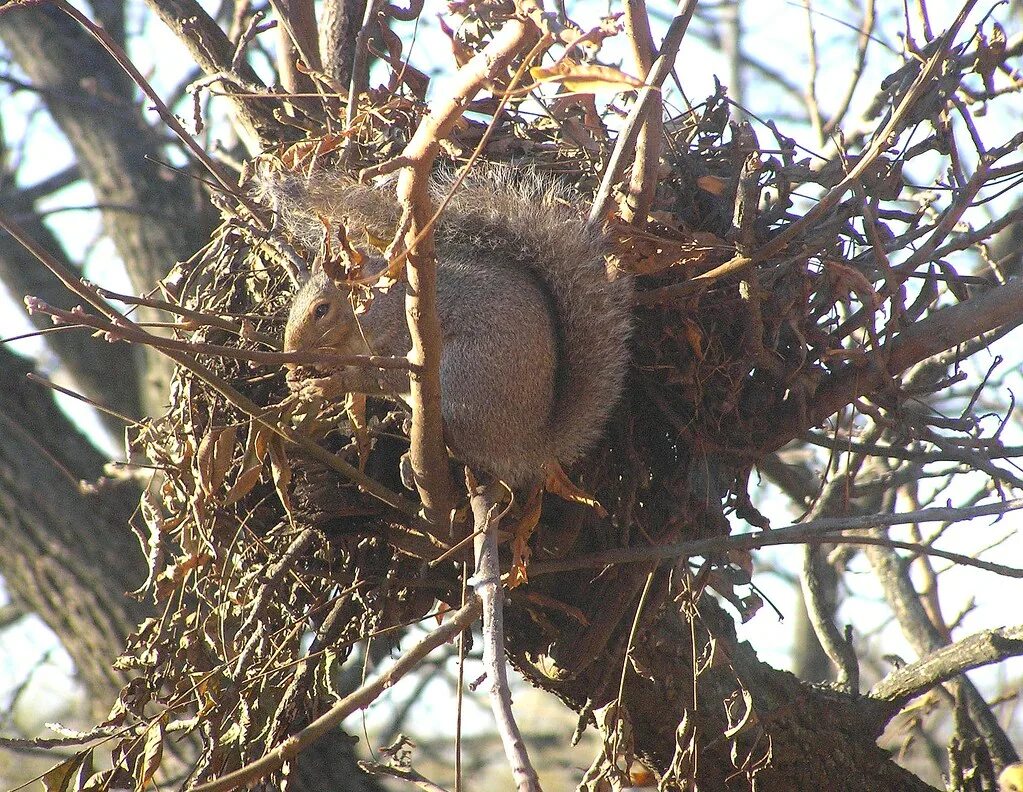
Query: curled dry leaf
{"type": "Point", "coordinates": [585, 77]}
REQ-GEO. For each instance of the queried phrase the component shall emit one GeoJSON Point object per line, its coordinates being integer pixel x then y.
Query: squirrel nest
{"type": "Point", "coordinates": [254, 546]}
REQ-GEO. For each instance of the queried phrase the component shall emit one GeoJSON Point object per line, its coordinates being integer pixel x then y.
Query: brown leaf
{"type": "Point", "coordinates": [521, 532]}
{"type": "Point", "coordinates": [174, 574]}
{"type": "Point", "coordinates": [223, 454]}
{"type": "Point", "coordinates": [58, 778]}
{"type": "Point", "coordinates": [153, 545]}
{"type": "Point", "coordinates": [694, 336]}
{"type": "Point", "coordinates": [152, 755]}
{"type": "Point", "coordinates": [715, 185]}
{"type": "Point", "coordinates": [585, 77]}
{"type": "Point", "coordinates": [463, 52]}
{"type": "Point", "coordinates": [244, 484]}
{"type": "Point", "coordinates": [990, 55]}
{"type": "Point", "coordinates": [559, 484]}
{"type": "Point", "coordinates": [281, 473]}
{"type": "Point", "coordinates": [846, 280]}
{"type": "Point", "coordinates": [251, 466]}
{"type": "Point", "coordinates": [355, 408]}
{"type": "Point", "coordinates": [298, 155]}
{"type": "Point", "coordinates": [204, 461]}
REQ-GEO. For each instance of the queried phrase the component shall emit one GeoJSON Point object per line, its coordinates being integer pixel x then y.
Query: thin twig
{"type": "Point", "coordinates": [826, 529]}
{"type": "Point", "coordinates": [168, 117]}
{"type": "Point", "coordinates": [626, 142]}
{"type": "Point", "coordinates": [486, 503]}
{"type": "Point", "coordinates": [881, 142]}
{"type": "Point", "coordinates": [457, 622]}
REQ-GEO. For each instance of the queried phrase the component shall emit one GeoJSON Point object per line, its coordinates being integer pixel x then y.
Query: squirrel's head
{"type": "Point", "coordinates": [321, 316]}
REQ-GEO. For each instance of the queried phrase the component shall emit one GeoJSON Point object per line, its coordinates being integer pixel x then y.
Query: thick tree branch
{"type": "Point", "coordinates": [69, 555]}
{"type": "Point", "coordinates": [941, 665]}
{"type": "Point", "coordinates": [89, 363]}
{"type": "Point", "coordinates": [339, 27]}
{"type": "Point", "coordinates": [997, 309]}
{"type": "Point", "coordinates": [213, 52]}
{"type": "Point", "coordinates": [116, 151]}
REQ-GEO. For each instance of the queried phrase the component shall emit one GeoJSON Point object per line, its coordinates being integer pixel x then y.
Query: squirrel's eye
{"type": "Point", "coordinates": [321, 310]}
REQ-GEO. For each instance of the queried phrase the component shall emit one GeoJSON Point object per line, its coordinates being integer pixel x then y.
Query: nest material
{"type": "Point", "coordinates": [254, 548]}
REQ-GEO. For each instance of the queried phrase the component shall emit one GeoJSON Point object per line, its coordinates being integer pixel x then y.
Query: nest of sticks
{"type": "Point", "coordinates": [257, 544]}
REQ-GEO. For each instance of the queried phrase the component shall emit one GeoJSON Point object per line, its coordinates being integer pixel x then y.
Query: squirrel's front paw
{"type": "Point", "coordinates": [327, 388]}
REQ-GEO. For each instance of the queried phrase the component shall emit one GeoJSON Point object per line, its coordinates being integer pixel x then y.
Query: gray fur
{"type": "Point", "coordinates": [519, 388]}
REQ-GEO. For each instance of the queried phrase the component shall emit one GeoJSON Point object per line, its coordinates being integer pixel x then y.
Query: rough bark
{"type": "Point", "coordinates": [338, 31]}
{"type": "Point", "coordinates": [817, 738]}
{"type": "Point", "coordinates": [88, 363]}
{"type": "Point", "coordinates": [153, 216]}
{"type": "Point", "coordinates": [69, 557]}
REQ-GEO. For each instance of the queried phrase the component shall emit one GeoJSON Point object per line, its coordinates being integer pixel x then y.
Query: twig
{"type": "Point", "coordinates": [981, 649]}
{"type": "Point", "coordinates": [942, 330]}
{"type": "Point", "coordinates": [117, 330]}
{"type": "Point", "coordinates": [408, 774]}
{"type": "Point", "coordinates": [124, 327]}
{"type": "Point", "coordinates": [360, 69]}
{"type": "Point", "coordinates": [299, 22]}
{"type": "Point", "coordinates": [821, 613]}
{"type": "Point", "coordinates": [486, 503]}
{"type": "Point", "coordinates": [625, 145]}
{"type": "Point", "coordinates": [882, 142]}
{"type": "Point", "coordinates": [643, 178]}
{"type": "Point", "coordinates": [168, 117]}
{"type": "Point", "coordinates": [866, 29]}
{"type": "Point", "coordinates": [822, 530]}
{"type": "Point", "coordinates": [457, 622]}
{"type": "Point", "coordinates": [427, 452]}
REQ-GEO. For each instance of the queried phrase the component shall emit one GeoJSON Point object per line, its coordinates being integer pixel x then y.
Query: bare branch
{"type": "Point", "coordinates": [826, 529]}
{"type": "Point", "coordinates": [457, 622]}
{"type": "Point", "coordinates": [428, 454]}
{"type": "Point", "coordinates": [941, 665]}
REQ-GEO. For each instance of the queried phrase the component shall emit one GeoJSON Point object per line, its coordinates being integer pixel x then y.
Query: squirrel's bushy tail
{"type": "Point", "coordinates": [523, 217]}
{"type": "Point", "coordinates": [528, 217]}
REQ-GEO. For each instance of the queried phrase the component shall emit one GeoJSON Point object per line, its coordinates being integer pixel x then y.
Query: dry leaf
{"type": "Point", "coordinates": [521, 531]}
{"type": "Point", "coordinates": [559, 484]}
{"type": "Point", "coordinates": [715, 185]}
{"type": "Point", "coordinates": [585, 77]}
{"type": "Point", "coordinates": [152, 755]}
{"type": "Point", "coordinates": [251, 466]}
{"type": "Point", "coordinates": [355, 408]}
{"type": "Point", "coordinates": [463, 52]}
{"type": "Point", "coordinates": [848, 280]}
{"type": "Point", "coordinates": [281, 470]}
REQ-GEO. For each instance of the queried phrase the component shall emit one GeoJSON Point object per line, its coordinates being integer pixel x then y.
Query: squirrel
{"type": "Point", "coordinates": [535, 335]}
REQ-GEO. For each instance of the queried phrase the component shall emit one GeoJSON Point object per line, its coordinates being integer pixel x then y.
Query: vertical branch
{"type": "Point", "coordinates": [821, 613]}
{"type": "Point", "coordinates": [731, 43]}
{"type": "Point", "coordinates": [359, 73]}
{"type": "Point", "coordinates": [339, 26]}
{"type": "Point", "coordinates": [428, 453]}
{"type": "Point", "coordinates": [296, 36]}
{"type": "Point", "coordinates": [866, 30]}
{"type": "Point", "coordinates": [486, 506]}
{"type": "Point", "coordinates": [643, 180]}
{"type": "Point", "coordinates": [812, 105]}
{"type": "Point", "coordinates": [627, 137]}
